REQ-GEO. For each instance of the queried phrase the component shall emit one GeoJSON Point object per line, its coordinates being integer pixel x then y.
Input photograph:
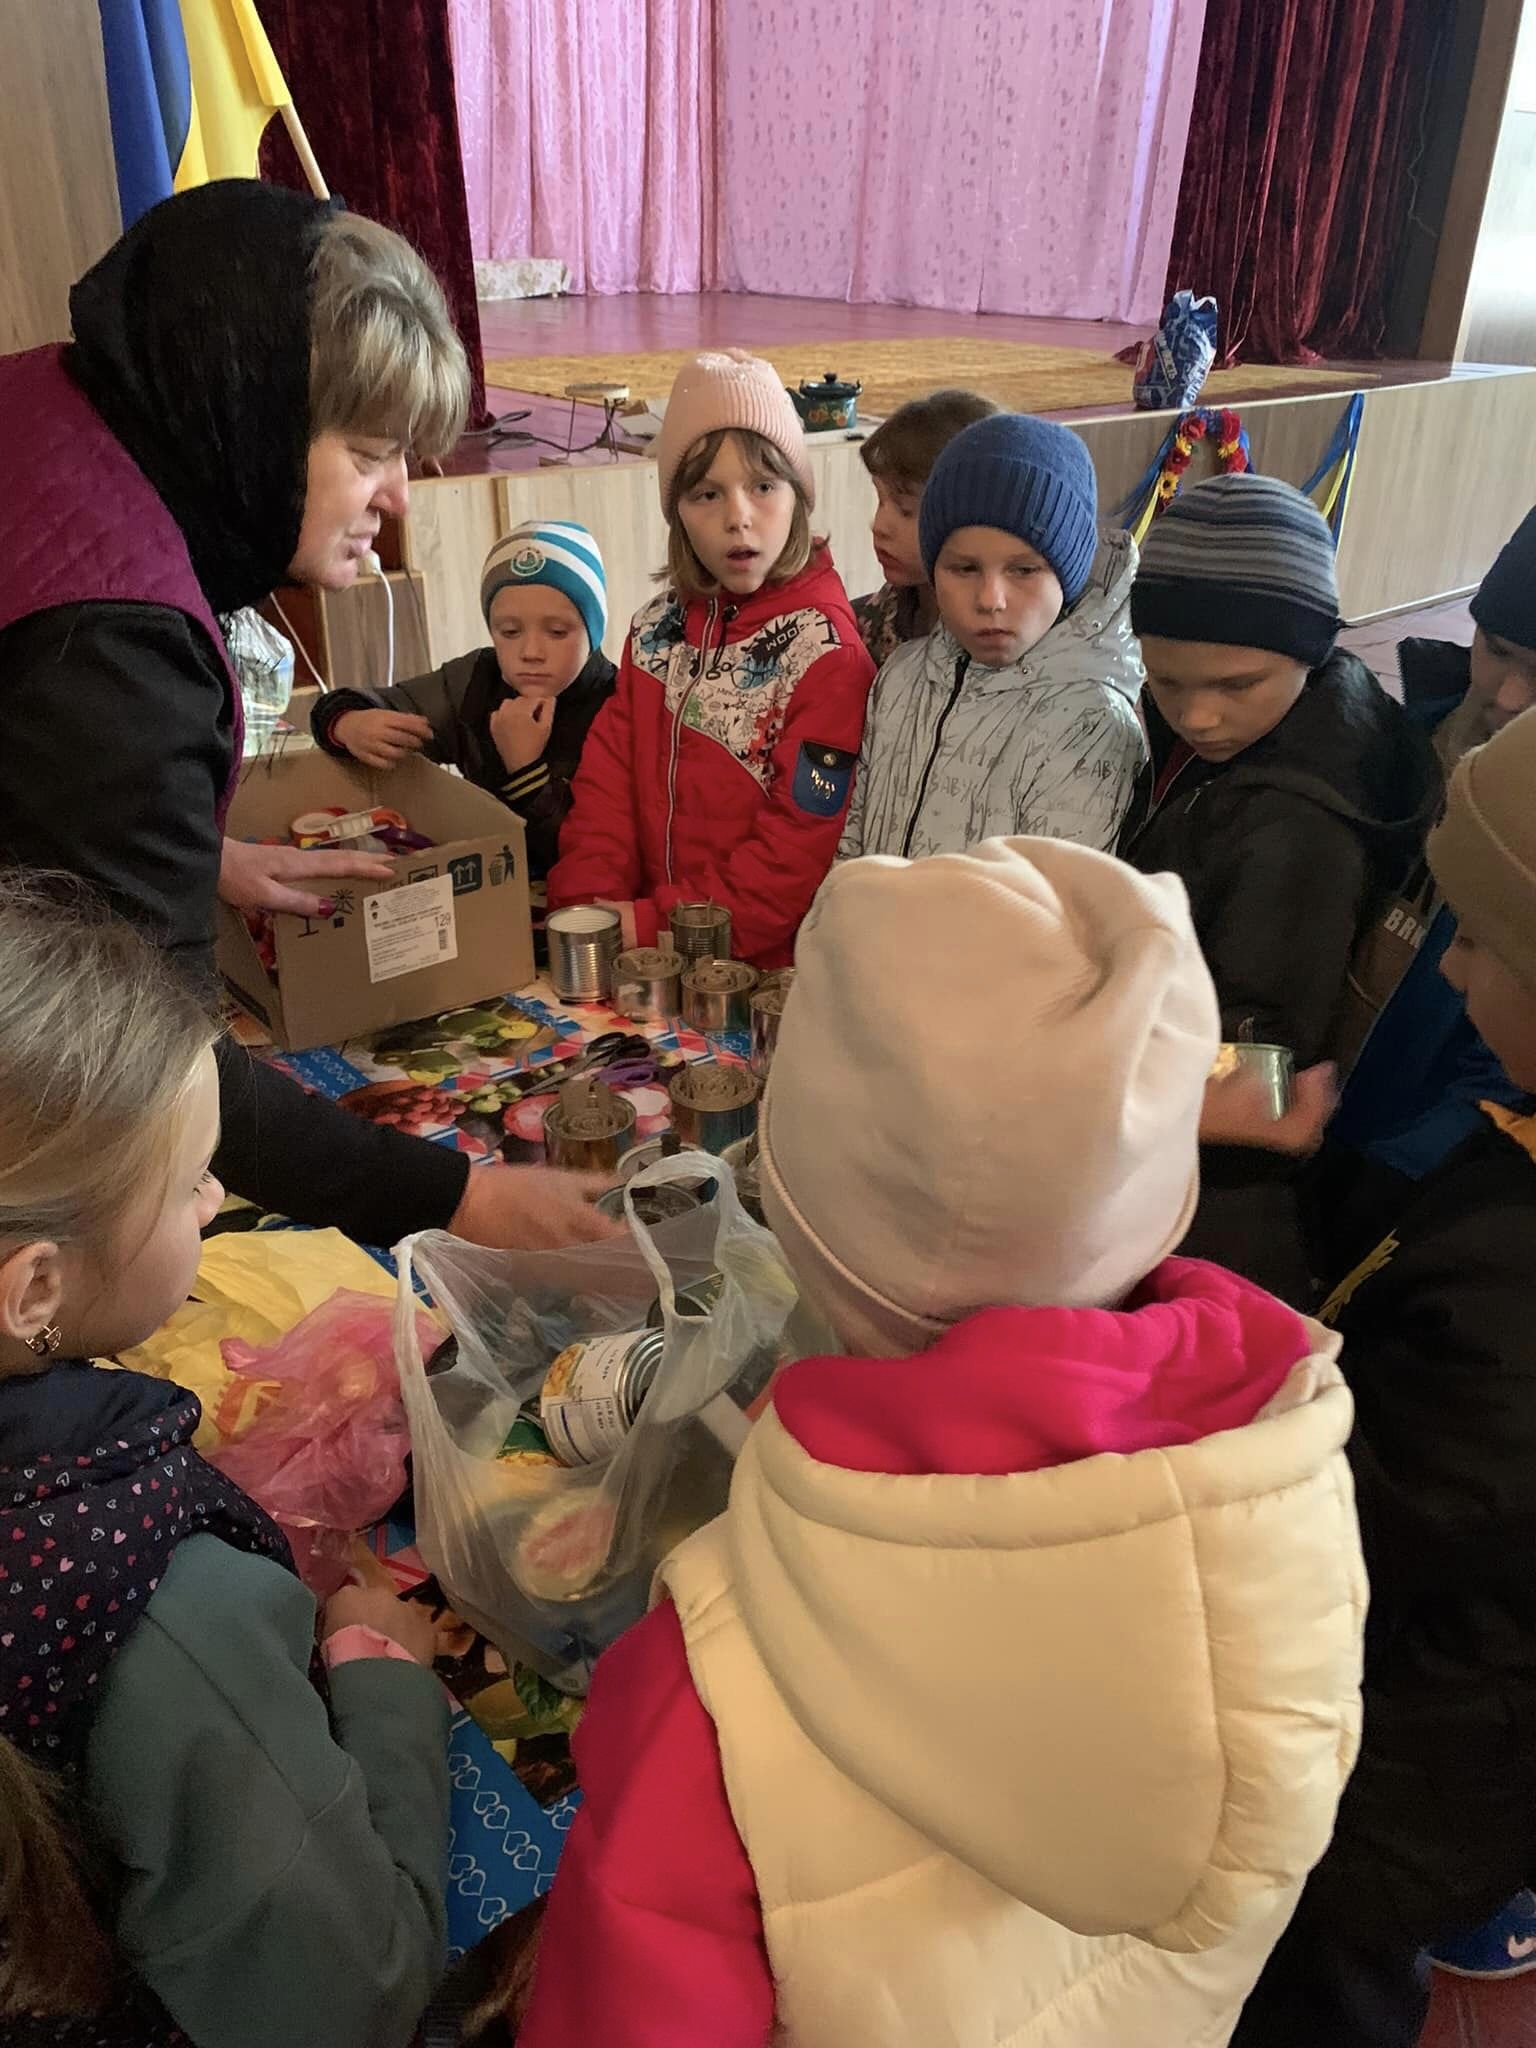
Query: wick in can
{"type": "Point", "coordinates": [588, 1126]}
{"type": "Point", "coordinates": [717, 995]}
{"type": "Point", "coordinates": [767, 1009]}
{"type": "Point", "coordinates": [702, 931]}
{"type": "Point", "coordinates": [647, 985]}
{"type": "Point", "coordinates": [713, 1106]}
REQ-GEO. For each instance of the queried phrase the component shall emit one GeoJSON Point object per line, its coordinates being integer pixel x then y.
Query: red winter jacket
{"type": "Point", "coordinates": [654, 1935]}
{"type": "Point", "coordinates": [722, 765]}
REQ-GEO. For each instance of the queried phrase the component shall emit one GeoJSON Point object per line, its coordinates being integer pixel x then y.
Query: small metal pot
{"type": "Point", "coordinates": [588, 1126]}
{"type": "Point", "coordinates": [584, 941]}
{"type": "Point", "coordinates": [702, 931]}
{"type": "Point", "coordinates": [714, 1106]}
{"type": "Point", "coordinates": [648, 985]}
{"type": "Point", "coordinates": [1274, 1066]}
{"type": "Point", "coordinates": [717, 995]}
{"type": "Point", "coordinates": [832, 403]}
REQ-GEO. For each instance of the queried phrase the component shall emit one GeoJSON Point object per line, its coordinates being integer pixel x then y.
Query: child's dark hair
{"type": "Point", "coordinates": [903, 448]}
{"type": "Point", "coordinates": [684, 571]}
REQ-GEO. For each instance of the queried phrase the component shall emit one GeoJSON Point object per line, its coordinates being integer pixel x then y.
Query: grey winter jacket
{"type": "Point", "coordinates": [955, 753]}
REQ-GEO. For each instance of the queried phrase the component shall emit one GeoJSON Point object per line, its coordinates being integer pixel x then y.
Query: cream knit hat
{"type": "Point", "coordinates": [1483, 851]}
{"type": "Point", "coordinates": [987, 1087]}
{"type": "Point", "coordinates": [729, 388]}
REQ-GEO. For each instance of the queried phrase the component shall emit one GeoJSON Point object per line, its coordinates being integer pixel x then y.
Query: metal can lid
{"type": "Point", "coordinates": [706, 1085]}
{"type": "Point", "coordinates": [710, 977]}
{"type": "Point", "coordinates": [647, 963]}
{"type": "Point", "coordinates": [698, 1300]}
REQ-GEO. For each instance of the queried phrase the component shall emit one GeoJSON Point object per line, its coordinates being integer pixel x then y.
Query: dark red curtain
{"type": "Point", "coordinates": [373, 84]}
{"type": "Point", "coordinates": [1301, 167]}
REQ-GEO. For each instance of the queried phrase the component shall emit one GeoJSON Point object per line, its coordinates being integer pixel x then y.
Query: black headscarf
{"type": "Point", "coordinates": [192, 342]}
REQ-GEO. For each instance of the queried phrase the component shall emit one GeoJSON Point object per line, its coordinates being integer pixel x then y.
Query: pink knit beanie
{"type": "Point", "coordinates": [1033, 1141]}
{"type": "Point", "coordinates": [729, 388]}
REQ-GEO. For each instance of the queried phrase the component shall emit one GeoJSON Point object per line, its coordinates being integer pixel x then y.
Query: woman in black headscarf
{"type": "Point", "coordinates": [249, 374]}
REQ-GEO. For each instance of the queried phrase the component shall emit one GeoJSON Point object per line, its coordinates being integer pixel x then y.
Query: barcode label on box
{"type": "Point", "coordinates": [410, 928]}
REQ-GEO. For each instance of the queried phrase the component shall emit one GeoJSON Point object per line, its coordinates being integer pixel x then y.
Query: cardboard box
{"type": "Point", "coordinates": [451, 929]}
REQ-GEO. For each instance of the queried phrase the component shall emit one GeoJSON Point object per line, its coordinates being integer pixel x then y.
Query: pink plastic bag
{"type": "Point", "coordinates": [325, 1454]}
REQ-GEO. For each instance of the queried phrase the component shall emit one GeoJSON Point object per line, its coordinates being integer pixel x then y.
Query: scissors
{"type": "Point", "coordinates": [623, 1058]}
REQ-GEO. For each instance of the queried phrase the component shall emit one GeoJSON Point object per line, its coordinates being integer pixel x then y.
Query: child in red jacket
{"type": "Point", "coordinates": [1012, 1696]}
{"type": "Point", "coordinates": [723, 764]}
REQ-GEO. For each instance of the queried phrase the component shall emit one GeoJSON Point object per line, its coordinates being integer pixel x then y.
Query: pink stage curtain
{"type": "Point", "coordinates": [995, 156]}
{"type": "Point", "coordinates": [584, 126]}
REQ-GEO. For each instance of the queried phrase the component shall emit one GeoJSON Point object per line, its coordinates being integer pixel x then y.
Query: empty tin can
{"type": "Point", "coordinates": [654, 1205]}
{"type": "Point", "coordinates": [717, 995]}
{"type": "Point", "coordinates": [588, 1126]}
{"type": "Point", "coordinates": [593, 1391]}
{"type": "Point", "coordinates": [1274, 1066]}
{"type": "Point", "coordinates": [702, 931]}
{"type": "Point", "coordinates": [584, 941]}
{"type": "Point", "coordinates": [648, 985]}
{"type": "Point", "coordinates": [714, 1106]}
{"type": "Point", "coordinates": [768, 1002]}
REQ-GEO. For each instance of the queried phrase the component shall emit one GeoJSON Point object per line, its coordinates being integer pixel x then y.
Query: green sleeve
{"type": "Point", "coordinates": [283, 1872]}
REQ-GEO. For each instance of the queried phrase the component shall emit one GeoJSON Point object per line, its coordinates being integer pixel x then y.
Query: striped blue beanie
{"type": "Point", "coordinates": [557, 552]}
{"type": "Point", "coordinates": [1243, 560]}
{"type": "Point", "coordinates": [1028, 477]}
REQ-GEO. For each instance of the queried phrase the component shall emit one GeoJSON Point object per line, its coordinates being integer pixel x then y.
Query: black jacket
{"type": "Point", "coordinates": [457, 701]}
{"type": "Point", "coordinates": [1286, 849]}
{"type": "Point", "coordinates": [191, 341]}
{"type": "Point", "coordinates": [1438, 1824]}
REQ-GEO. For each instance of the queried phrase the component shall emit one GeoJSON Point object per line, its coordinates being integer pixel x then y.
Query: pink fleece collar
{"type": "Point", "coordinates": [1195, 1352]}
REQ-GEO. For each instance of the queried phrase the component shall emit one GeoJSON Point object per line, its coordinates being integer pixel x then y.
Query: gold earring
{"type": "Point", "coordinates": [47, 1340]}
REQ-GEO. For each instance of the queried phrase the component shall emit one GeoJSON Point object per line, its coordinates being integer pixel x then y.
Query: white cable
{"type": "Point", "coordinates": [298, 643]}
{"type": "Point", "coordinates": [372, 566]}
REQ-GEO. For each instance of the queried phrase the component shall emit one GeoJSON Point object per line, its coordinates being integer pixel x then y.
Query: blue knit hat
{"type": "Point", "coordinates": [1025, 476]}
{"type": "Point", "coordinates": [557, 552]}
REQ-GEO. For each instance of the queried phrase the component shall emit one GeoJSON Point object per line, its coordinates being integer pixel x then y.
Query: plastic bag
{"type": "Point", "coordinates": [263, 661]}
{"type": "Point", "coordinates": [553, 1561]}
{"type": "Point", "coordinates": [326, 1454]}
{"type": "Point", "coordinates": [1172, 367]}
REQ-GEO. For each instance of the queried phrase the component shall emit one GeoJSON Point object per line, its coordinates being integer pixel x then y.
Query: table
{"type": "Point", "coordinates": [511, 1805]}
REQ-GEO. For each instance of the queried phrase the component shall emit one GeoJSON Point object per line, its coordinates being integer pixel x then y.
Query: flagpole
{"type": "Point", "coordinates": [302, 150]}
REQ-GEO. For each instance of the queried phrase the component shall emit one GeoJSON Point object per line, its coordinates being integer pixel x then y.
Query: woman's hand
{"type": "Point", "coordinates": [520, 728]}
{"type": "Point", "coordinates": [627, 937]}
{"type": "Point", "coordinates": [260, 878]}
{"type": "Point", "coordinates": [381, 739]}
{"type": "Point", "coordinates": [1237, 1112]}
{"type": "Point", "coordinates": [405, 1622]}
{"type": "Point", "coordinates": [532, 1209]}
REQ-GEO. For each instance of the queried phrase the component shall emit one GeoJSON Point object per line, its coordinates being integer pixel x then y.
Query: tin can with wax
{"type": "Point", "coordinates": [767, 1008]}
{"type": "Point", "coordinates": [584, 941]}
{"type": "Point", "coordinates": [588, 1126]}
{"type": "Point", "coordinates": [648, 985]}
{"type": "Point", "coordinates": [717, 995]}
{"type": "Point", "coordinates": [714, 1106]}
{"type": "Point", "coordinates": [702, 931]}
{"type": "Point", "coordinates": [1273, 1065]}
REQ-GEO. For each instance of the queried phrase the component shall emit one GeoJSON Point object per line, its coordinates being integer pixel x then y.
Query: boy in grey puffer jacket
{"type": "Point", "coordinates": [1017, 713]}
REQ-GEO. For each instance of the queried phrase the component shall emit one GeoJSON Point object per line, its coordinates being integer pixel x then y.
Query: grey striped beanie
{"type": "Point", "coordinates": [1244, 560]}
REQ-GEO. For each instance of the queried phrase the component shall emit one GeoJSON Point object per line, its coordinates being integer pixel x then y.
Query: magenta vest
{"type": "Point", "coordinates": [80, 523]}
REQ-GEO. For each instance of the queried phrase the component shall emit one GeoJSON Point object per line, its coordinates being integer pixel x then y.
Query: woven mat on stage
{"type": "Point", "coordinates": [1021, 376]}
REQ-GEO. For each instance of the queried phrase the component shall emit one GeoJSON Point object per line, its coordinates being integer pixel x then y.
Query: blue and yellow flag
{"type": "Point", "coordinates": [191, 85]}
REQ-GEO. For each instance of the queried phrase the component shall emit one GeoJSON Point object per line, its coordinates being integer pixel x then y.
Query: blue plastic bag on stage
{"type": "Point", "coordinates": [1172, 367]}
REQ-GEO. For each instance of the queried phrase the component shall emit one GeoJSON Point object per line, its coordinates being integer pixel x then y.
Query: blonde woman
{"type": "Point", "coordinates": [250, 373]}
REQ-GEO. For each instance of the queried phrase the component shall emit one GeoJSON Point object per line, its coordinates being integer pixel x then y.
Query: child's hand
{"type": "Point", "coordinates": [1236, 1112]}
{"type": "Point", "coordinates": [405, 1622]}
{"type": "Point", "coordinates": [381, 739]}
{"type": "Point", "coordinates": [520, 728]}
